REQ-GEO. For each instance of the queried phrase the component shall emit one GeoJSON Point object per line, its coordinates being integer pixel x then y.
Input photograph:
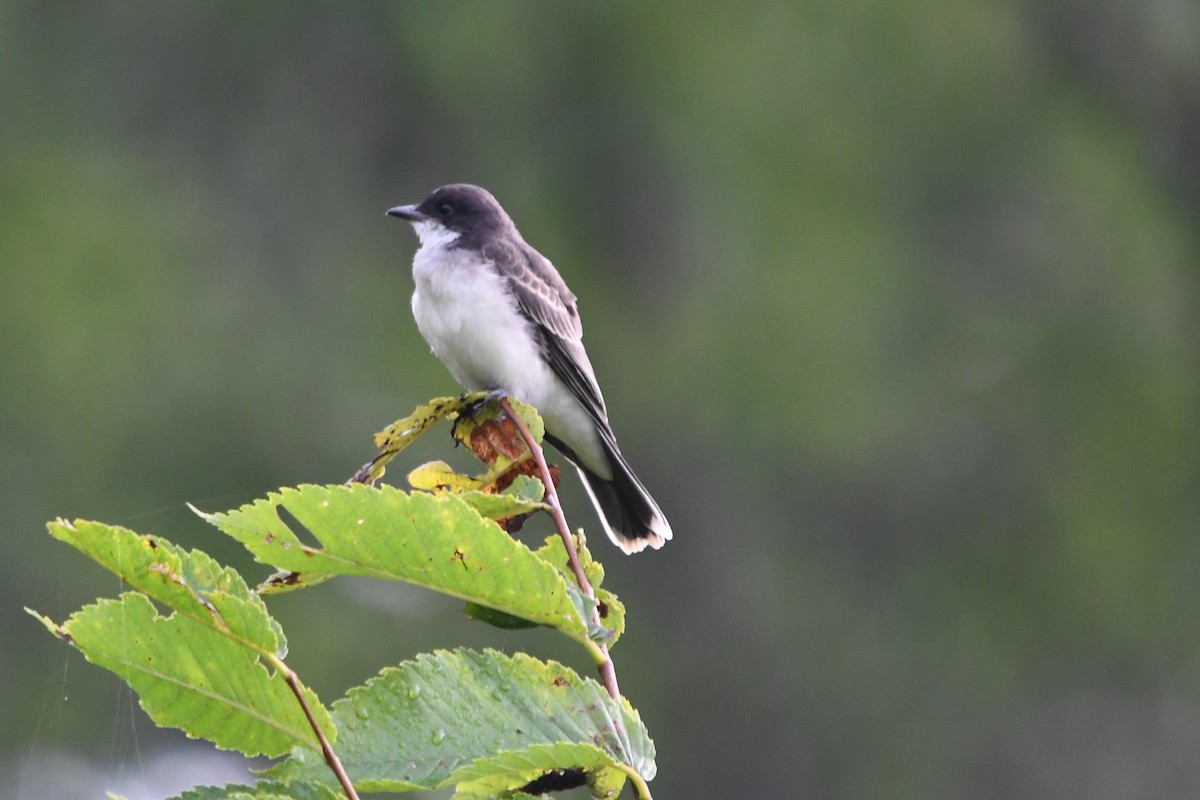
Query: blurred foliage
{"type": "Point", "coordinates": [895, 307]}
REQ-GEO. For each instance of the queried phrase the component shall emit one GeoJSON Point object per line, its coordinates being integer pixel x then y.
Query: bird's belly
{"type": "Point", "coordinates": [472, 323]}
{"type": "Point", "coordinates": [474, 327]}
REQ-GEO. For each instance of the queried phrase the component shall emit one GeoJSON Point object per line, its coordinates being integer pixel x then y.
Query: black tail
{"type": "Point", "coordinates": [631, 517]}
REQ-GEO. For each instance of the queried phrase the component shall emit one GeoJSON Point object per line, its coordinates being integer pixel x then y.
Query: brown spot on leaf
{"type": "Point", "coordinates": [160, 568]}
{"type": "Point", "coordinates": [497, 437]}
{"type": "Point", "coordinates": [506, 478]}
{"type": "Point", "coordinates": [287, 579]}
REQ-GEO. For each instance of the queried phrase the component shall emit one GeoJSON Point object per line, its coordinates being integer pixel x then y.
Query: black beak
{"type": "Point", "coordinates": [409, 213]}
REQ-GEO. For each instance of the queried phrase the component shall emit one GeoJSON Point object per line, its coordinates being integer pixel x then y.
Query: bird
{"type": "Point", "coordinates": [498, 315]}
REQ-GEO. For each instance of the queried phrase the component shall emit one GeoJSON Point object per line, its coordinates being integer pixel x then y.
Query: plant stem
{"type": "Point", "coordinates": [639, 784]}
{"type": "Point", "coordinates": [331, 758]}
{"type": "Point", "coordinates": [608, 672]}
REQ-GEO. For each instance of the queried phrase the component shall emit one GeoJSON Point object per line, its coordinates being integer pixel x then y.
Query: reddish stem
{"type": "Point", "coordinates": [331, 758]}
{"type": "Point", "coordinates": [608, 672]}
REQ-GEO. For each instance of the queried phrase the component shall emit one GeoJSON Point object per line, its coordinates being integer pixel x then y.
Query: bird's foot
{"type": "Point", "coordinates": [495, 396]}
{"type": "Point", "coordinates": [470, 409]}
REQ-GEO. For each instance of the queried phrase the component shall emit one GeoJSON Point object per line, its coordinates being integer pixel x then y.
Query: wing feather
{"type": "Point", "coordinates": [546, 300]}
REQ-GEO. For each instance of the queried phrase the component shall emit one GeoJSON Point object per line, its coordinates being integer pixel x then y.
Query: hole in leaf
{"type": "Point", "coordinates": [302, 533]}
{"type": "Point", "coordinates": [556, 780]}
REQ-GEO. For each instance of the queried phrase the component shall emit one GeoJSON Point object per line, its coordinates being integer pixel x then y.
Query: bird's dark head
{"type": "Point", "coordinates": [459, 209]}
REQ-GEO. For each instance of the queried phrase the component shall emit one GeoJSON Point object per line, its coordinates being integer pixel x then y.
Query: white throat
{"type": "Point", "coordinates": [434, 235]}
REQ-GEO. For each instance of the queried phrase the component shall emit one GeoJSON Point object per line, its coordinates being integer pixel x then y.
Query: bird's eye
{"type": "Point", "coordinates": [445, 209]}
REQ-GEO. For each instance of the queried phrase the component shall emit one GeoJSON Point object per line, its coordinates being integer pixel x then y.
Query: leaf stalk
{"type": "Point", "coordinates": [327, 751]}
{"type": "Point", "coordinates": [608, 672]}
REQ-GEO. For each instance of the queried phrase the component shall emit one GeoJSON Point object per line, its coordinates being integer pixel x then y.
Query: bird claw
{"type": "Point", "coordinates": [495, 396]}
{"type": "Point", "coordinates": [469, 409]}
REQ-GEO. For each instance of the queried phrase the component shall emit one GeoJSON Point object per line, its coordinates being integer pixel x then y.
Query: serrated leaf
{"type": "Point", "coordinates": [437, 541]}
{"type": "Point", "coordinates": [534, 783]}
{"type": "Point", "coordinates": [525, 766]}
{"type": "Point", "coordinates": [500, 788]}
{"type": "Point", "coordinates": [265, 790]}
{"type": "Point", "coordinates": [192, 583]}
{"type": "Point", "coordinates": [495, 786]}
{"type": "Point", "coordinates": [612, 610]}
{"type": "Point", "coordinates": [191, 677]}
{"type": "Point", "coordinates": [612, 617]}
{"type": "Point", "coordinates": [403, 432]}
{"type": "Point", "coordinates": [527, 489]}
{"type": "Point", "coordinates": [473, 716]}
{"type": "Point", "coordinates": [606, 783]}
{"type": "Point", "coordinates": [508, 503]}
{"type": "Point", "coordinates": [283, 581]}
{"type": "Point", "coordinates": [554, 551]}
{"type": "Point", "coordinates": [490, 790]}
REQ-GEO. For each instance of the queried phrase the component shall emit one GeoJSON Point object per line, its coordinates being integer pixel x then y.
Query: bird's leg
{"type": "Point", "coordinates": [495, 396]}
{"type": "Point", "coordinates": [472, 408]}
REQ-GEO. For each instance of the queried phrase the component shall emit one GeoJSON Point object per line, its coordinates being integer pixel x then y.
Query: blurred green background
{"type": "Point", "coordinates": [894, 305]}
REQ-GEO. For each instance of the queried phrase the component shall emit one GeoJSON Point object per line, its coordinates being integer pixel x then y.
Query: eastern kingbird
{"type": "Point", "coordinates": [499, 316]}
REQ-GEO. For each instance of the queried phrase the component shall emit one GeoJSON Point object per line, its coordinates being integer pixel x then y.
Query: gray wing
{"type": "Point", "coordinates": [545, 299]}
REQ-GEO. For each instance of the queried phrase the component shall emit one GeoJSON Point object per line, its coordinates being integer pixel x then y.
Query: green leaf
{"type": "Point", "coordinates": [191, 677]}
{"type": "Point", "coordinates": [606, 783]}
{"type": "Point", "coordinates": [497, 788]}
{"type": "Point", "coordinates": [440, 476]}
{"type": "Point", "coordinates": [510, 785]}
{"type": "Point", "coordinates": [192, 583]}
{"type": "Point", "coordinates": [266, 790]}
{"type": "Point", "coordinates": [437, 541]}
{"type": "Point", "coordinates": [555, 552]}
{"type": "Point", "coordinates": [612, 610]}
{"type": "Point", "coordinates": [526, 488]}
{"type": "Point", "coordinates": [468, 716]}
{"type": "Point", "coordinates": [284, 581]}
{"type": "Point", "coordinates": [522, 497]}
{"type": "Point", "coordinates": [496, 618]}
{"type": "Point", "coordinates": [513, 770]}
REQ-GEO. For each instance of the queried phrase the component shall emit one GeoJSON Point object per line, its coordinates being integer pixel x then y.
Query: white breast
{"type": "Point", "coordinates": [465, 311]}
{"type": "Point", "coordinates": [467, 314]}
